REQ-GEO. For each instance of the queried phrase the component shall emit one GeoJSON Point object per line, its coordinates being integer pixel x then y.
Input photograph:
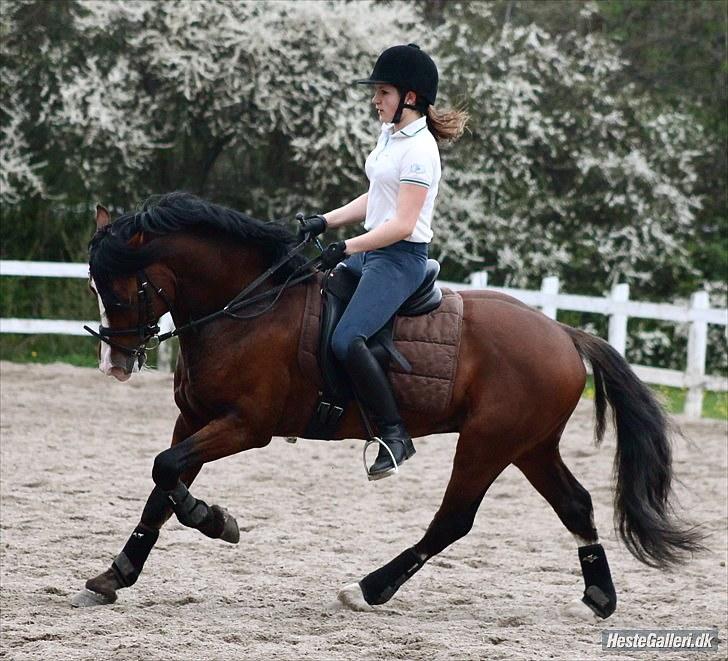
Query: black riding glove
{"type": "Point", "coordinates": [312, 226]}
{"type": "Point", "coordinates": [333, 254]}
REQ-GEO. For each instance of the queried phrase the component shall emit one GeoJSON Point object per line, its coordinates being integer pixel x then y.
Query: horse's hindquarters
{"type": "Point", "coordinates": [518, 371]}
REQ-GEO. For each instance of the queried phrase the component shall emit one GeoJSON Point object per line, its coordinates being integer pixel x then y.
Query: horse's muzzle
{"type": "Point", "coordinates": [119, 365]}
{"type": "Point", "coordinates": [118, 373]}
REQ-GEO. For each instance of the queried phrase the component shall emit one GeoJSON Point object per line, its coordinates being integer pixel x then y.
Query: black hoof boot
{"type": "Point", "coordinates": [599, 592]}
{"type": "Point", "coordinates": [396, 438]}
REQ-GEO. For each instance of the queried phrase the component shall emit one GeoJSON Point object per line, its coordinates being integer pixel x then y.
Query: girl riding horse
{"type": "Point", "coordinates": [404, 173]}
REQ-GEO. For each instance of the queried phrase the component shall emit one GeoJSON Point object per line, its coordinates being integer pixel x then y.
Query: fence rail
{"type": "Point", "coordinates": [617, 306]}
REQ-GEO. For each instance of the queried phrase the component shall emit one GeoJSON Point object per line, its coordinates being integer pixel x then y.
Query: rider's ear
{"type": "Point", "coordinates": [103, 218]}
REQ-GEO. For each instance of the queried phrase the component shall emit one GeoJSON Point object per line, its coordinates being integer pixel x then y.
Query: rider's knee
{"type": "Point", "coordinates": [341, 343]}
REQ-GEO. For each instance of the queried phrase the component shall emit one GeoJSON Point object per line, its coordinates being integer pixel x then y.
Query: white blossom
{"type": "Point", "coordinates": [563, 168]}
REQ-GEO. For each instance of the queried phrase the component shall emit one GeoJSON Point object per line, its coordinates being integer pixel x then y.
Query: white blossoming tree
{"type": "Point", "coordinates": [564, 169]}
{"type": "Point", "coordinates": [246, 101]}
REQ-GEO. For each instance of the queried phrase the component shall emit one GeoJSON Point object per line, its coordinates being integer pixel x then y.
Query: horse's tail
{"type": "Point", "coordinates": [643, 461]}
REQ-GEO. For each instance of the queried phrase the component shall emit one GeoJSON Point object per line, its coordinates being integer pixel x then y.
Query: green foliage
{"type": "Point", "coordinates": [78, 351]}
{"type": "Point", "coordinates": [678, 50]}
{"type": "Point", "coordinates": [38, 231]}
{"type": "Point", "coordinates": [47, 298]}
{"type": "Point", "coordinates": [715, 404]}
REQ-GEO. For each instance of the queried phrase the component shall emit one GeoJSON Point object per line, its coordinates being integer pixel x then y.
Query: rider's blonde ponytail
{"type": "Point", "coordinates": [446, 125]}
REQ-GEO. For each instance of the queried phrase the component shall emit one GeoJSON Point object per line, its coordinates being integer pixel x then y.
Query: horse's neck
{"type": "Point", "coordinates": [206, 280]}
{"type": "Point", "coordinates": [208, 274]}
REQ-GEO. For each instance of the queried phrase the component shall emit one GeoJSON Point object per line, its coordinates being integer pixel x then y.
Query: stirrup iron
{"type": "Point", "coordinates": [379, 476]}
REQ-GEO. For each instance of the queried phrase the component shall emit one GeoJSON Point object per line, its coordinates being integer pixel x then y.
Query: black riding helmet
{"type": "Point", "coordinates": [407, 68]}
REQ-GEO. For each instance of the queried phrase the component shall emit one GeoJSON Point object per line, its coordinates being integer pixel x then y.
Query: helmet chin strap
{"type": "Point", "coordinates": [397, 118]}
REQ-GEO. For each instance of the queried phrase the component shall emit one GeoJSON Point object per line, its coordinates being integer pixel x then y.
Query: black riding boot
{"type": "Point", "coordinates": [375, 392]}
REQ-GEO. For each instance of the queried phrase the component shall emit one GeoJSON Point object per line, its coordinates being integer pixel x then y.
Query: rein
{"type": "Point", "coordinates": [149, 330]}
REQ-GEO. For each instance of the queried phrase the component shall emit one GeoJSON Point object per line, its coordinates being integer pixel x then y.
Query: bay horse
{"type": "Point", "coordinates": [238, 383]}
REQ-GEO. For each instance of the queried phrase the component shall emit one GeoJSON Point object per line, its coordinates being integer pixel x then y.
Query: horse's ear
{"type": "Point", "coordinates": [137, 240]}
{"type": "Point", "coordinates": [103, 218]}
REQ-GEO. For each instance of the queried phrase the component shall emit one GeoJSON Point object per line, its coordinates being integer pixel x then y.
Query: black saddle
{"type": "Point", "coordinates": [338, 288]}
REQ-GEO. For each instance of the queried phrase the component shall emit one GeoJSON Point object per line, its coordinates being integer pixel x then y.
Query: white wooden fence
{"type": "Point", "coordinates": [62, 327]}
{"type": "Point", "coordinates": [617, 307]}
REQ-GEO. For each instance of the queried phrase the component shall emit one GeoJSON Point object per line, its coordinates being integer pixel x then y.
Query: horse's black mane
{"type": "Point", "coordinates": [111, 256]}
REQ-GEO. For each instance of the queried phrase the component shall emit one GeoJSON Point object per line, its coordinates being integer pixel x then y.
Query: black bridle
{"type": "Point", "coordinates": [147, 328]}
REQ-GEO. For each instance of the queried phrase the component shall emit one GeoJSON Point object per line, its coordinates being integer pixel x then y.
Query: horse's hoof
{"type": "Point", "coordinates": [87, 597]}
{"type": "Point", "coordinates": [578, 610]}
{"type": "Point", "coordinates": [352, 597]}
{"type": "Point", "coordinates": [602, 603]}
{"type": "Point", "coordinates": [230, 532]}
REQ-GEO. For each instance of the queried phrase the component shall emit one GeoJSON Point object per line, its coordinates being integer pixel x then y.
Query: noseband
{"type": "Point", "coordinates": [147, 328]}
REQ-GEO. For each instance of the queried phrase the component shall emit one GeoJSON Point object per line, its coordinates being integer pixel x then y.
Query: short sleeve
{"type": "Point", "coordinates": [417, 166]}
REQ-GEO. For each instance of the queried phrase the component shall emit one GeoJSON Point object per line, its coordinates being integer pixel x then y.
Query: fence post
{"type": "Point", "coordinates": [479, 280]}
{"type": "Point", "coordinates": [618, 320]}
{"type": "Point", "coordinates": [549, 287]}
{"type": "Point", "coordinates": [697, 344]}
{"type": "Point", "coordinates": [164, 357]}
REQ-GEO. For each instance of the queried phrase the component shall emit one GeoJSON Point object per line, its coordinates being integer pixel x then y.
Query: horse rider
{"type": "Point", "coordinates": [404, 173]}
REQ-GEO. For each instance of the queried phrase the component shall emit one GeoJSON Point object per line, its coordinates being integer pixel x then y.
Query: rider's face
{"type": "Point", "coordinates": [385, 100]}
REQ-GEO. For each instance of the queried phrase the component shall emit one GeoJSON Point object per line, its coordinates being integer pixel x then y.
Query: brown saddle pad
{"type": "Point", "coordinates": [430, 342]}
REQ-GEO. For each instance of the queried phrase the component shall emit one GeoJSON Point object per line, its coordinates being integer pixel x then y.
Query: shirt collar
{"type": "Point", "coordinates": [411, 129]}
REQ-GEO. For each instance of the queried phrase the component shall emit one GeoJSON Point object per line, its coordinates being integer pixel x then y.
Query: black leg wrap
{"type": "Point", "coordinates": [156, 509]}
{"type": "Point", "coordinates": [196, 513]}
{"type": "Point", "coordinates": [599, 593]}
{"type": "Point", "coordinates": [129, 563]}
{"type": "Point", "coordinates": [379, 586]}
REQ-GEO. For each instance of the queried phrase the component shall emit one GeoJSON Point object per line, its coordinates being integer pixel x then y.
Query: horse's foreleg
{"type": "Point", "coordinates": [547, 473]}
{"type": "Point", "coordinates": [472, 474]}
{"type": "Point", "coordinates": [218, 439]}
{"type": "Point", "coordinates": [126, 567]}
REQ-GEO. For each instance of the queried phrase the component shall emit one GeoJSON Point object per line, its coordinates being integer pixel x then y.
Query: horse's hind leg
{"type": "Point", "coordinates": [546, 471]}
{"type": "Point", "coordinates": [474, 470]}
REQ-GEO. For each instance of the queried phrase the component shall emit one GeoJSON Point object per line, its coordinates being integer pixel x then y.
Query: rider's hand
{"type": "Point", "coordinates": [333, 254]}
{"type": "Point", "coordinates": [311, 227]}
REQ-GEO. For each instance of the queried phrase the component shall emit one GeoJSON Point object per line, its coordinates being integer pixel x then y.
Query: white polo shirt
{"type": "Point", "coordinates": [407, 156]}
